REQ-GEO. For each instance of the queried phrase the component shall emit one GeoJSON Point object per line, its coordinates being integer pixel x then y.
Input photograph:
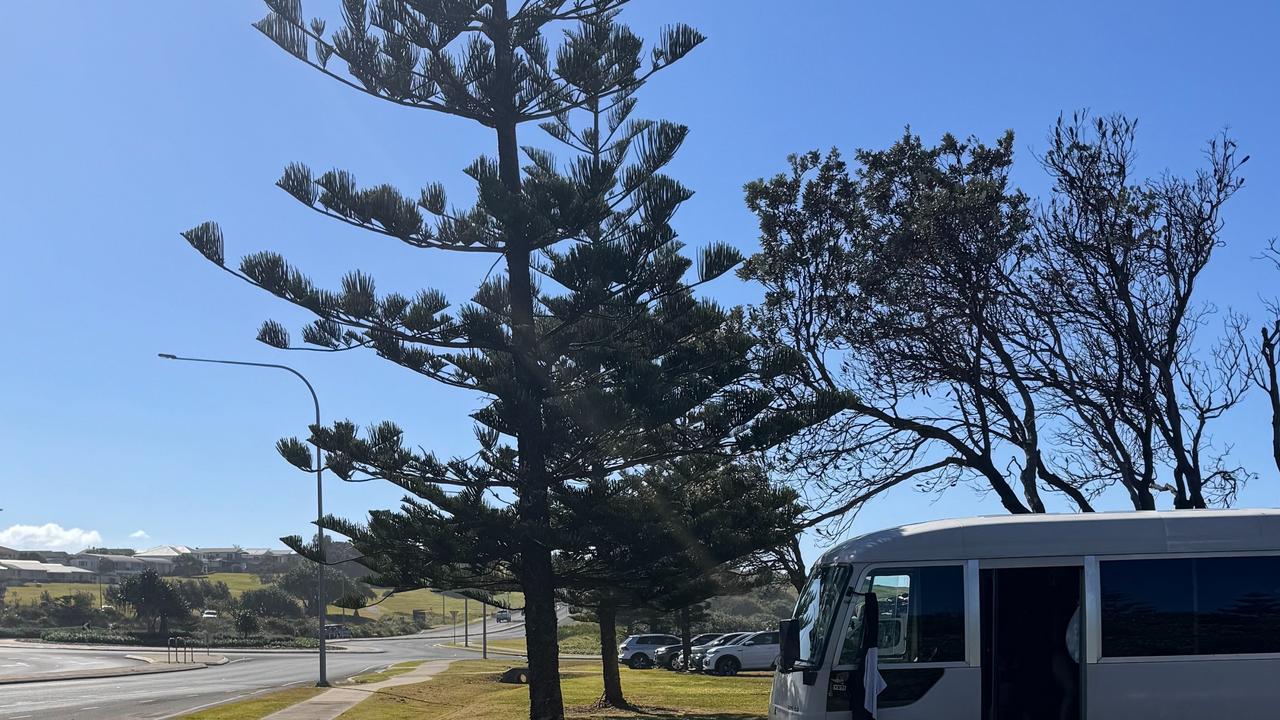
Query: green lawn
{"type": "Point", "coordinates": [256, 708]}
{"type": "Point", "coordinates": [468, 690]}
{"type": "Point", "coordinates": [29, 593]}
{"type": "Point", "coordinates": [575, 639]}
{"type": "Point", "coordinates": [437, 606]}
{"type": "Point", "coordinates": [237, 582]}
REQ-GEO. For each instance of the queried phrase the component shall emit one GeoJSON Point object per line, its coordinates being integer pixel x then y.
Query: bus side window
{"type": "Point", "coordinates": [921, 616]}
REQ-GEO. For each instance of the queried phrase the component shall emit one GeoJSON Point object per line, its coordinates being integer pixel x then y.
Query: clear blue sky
{"type": "Point", "coordinates": [127, 122]}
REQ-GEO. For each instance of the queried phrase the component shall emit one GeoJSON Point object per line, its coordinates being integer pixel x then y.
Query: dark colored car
{"type": "Point", "coordinates": [669, 656]}
{"type": "Point", "coordinates": [699, 654]}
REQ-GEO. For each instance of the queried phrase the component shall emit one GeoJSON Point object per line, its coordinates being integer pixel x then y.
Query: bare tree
{"type": "Point", "coordinates": [1118, 262]}
{"type": "Point", "coordinates": [954, 333]}
{"type": "Point", "coordinates": [1266, 359]}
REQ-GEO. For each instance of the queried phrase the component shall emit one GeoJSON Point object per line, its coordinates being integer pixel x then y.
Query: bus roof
{"type": "Point", "coordinates": [1108, 533]}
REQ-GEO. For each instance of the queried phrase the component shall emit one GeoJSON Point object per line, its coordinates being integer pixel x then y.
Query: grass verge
{"type": "Point", "coordinates": [469, 690]}
{"type": "Point", "coordinates": [394, 670]}
{"type": "Point", "coordinates": [256, 708]}
{"type": "Point", "coordinates": [575, 639]}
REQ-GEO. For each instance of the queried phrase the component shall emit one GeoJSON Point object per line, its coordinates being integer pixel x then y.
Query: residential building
{"type": "Point", "coordinates": [114, 567]}
{"type": "Point", "coordinates": [225, 559]}
{"type": "Point", "coordinates": [36, 571]}
{"type": "Point", "coordinates": [57, 557]}
{"type": "Point", "coordinates": [167, 552]}
{"type": "Point", "coordinates": [268, 560]}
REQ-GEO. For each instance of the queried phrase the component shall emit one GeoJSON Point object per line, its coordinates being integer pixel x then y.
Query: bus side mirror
{"type": "Point", "coordinates": [789, 644]}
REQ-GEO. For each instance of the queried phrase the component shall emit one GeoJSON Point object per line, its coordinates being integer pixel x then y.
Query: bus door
{"type": "Point", "coordinates": [927, 652]}
{"type": "Point", "coordinates": [1032, 642]}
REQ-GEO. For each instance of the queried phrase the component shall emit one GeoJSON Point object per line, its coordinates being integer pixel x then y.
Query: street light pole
{"type": "Point", "coordinates": [324, 679]}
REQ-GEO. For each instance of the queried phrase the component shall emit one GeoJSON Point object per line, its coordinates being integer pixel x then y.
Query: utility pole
{"type": "Point", "coordinates": [484, 632]}
{"type": "Point", "coordinates": [466, 619]}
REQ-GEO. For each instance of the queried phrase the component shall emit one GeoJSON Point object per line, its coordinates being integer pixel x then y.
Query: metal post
{"type": "Point", "coordinates": [466, 620]}
{"type": "Point", "coordinates": [454, 614]}
{"type": "Point", "coordinates": [484, 632]}
{"type": "Point", "coordinates": [320, 596]}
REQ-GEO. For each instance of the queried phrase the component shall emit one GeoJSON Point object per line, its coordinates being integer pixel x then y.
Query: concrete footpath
{"type": "Point", "coordinates": [335, 701]}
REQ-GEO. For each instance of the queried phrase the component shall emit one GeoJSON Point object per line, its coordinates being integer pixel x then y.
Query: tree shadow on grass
{"type": "Point", "coordinates": [654, 713]}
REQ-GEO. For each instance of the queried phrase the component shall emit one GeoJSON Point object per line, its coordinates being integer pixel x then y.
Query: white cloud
{"type": "Point", "coordinates": [50, 536]}
{"type": "Point", "coordinates": [140, 535]}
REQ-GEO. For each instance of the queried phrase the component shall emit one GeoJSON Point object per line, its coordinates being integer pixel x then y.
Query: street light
{"type": "Point", "coordinates": [324, 680]}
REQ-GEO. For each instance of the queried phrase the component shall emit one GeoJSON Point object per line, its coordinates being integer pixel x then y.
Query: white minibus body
{"type": "Point", "coordinates": [1105, 616]}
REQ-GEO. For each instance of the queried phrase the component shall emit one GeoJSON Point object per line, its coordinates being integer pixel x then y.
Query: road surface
{"type": "Point", "coordinates": [23, 661]}
{"type": "Point", "coordinates": [153, 697]}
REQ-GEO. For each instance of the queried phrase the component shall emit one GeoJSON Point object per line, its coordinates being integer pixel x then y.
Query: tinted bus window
{"type": "Point", "coordinates": [921, 616]}
{"type": "Point", "coordinates": [1184, 606]}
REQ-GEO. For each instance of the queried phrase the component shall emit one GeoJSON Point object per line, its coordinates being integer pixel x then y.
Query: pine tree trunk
{"type": "Point", "coordinates": [537, 577]}
{"type": "Point", "coordinates": [537, 580]}
{"type": "Point", "coordinates": [686, 638]}
{"type": "Point", "coordinates": [613, 697]}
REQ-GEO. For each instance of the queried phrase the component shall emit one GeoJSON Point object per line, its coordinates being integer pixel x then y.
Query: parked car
{"type": "Point", "coordinates": [336, 632]}
{"type": "Point", "coordinates": [668, 656]}
{"type": "Point", "coordinates": [209, 615]}
{"type": "Point", "coordinates": [637, 651]}
{"type": "Point", "coordinates": [699, 654]}
{"type": "Point", "coordinates": [757, 651]}
{"type": "Point", "coordinates": [502, 616]}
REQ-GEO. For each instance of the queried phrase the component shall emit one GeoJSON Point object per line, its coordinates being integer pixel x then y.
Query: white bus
{"type": "Point", "coordinates": [980, 619]}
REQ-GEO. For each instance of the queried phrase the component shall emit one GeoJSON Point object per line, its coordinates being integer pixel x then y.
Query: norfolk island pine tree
{"type": "Point", "coordinates": [589, 345]}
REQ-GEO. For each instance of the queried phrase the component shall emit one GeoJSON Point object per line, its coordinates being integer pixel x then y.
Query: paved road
{"type": "Point", "coordinates": [152, 697]}
{"type": "Point", "coordinates": [21, 661]}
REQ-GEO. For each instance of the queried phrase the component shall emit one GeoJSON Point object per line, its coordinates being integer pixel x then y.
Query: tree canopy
{"type": "Point", "coordinates": [588, 341]}
{"type": "Point", "coordinates": [969, 334]}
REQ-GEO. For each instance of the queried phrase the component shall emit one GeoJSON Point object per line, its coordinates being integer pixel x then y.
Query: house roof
{"type": "Point", "coordinates": [164, 551]}
{"type": "Point", "coordinates": [199, 551]}
{"type": "Point", "coordinates": [113, 558]}
{"type": "Point", "coordinates": [1033, 535]}
{"type": "Point", "coordinates": [45, 567]}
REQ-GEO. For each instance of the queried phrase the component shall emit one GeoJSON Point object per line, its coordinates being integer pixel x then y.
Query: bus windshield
{"type": "Point", "coordinates": [816, 611]}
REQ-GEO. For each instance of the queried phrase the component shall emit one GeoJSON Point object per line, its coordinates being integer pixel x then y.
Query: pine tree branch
{"type": "Point", "coordinates": [418, 242]}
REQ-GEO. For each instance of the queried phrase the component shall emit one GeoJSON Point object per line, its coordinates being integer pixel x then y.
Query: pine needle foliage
{"type": "Point", "coordinates": [590, 345]}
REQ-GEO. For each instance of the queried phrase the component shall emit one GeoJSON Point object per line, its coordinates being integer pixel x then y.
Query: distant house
{"type": "Point", "coordinates": [36, 571]}
{"type": "Point", "coordinates": [57, 557]}
{"type": "Point", "coordinates": [167, 552]}
{"type": "Point", "coordinates": [268, 560]}
{"type": "Point", "coordinates": [114, 567]}
{"type": "Point", "coordinates": [225, 559]}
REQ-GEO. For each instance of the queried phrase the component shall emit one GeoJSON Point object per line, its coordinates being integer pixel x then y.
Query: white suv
{"type": "Point", "coordinates": [638, 651]}
{"type": "Point", "coordinates": [758, 651]}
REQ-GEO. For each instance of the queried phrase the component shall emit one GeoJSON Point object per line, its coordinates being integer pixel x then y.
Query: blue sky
{"type": "Point", "coordinates": [127, 122]}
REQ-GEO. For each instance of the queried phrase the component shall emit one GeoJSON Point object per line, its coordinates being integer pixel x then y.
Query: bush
{"type": "Point", "coordinates": [116, 637]}
{"type": "Point", "coordinates": [385, 627]}
{"type": "Point", "coordinates": [270, 602]}
{"type": "Point", "coordinates": [96, 637]}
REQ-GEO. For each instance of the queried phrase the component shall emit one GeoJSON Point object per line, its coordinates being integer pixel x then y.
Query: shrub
{"type": "Point", "coordinates": [97, 637]}
{"type": "Point", "coordinates": [270, 602]}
